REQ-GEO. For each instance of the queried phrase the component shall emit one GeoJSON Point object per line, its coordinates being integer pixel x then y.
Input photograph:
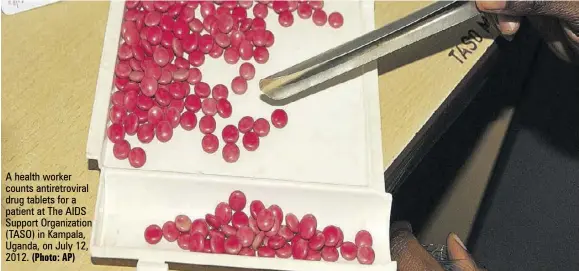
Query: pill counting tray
{"type": "Point", "coordinates": [327, 161]}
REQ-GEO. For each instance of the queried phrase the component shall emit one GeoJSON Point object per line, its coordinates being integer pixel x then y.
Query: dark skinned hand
{"type": "Point", "coordinates": [556, 21]}
{"type": "Point", "coordinates": [558, 24]}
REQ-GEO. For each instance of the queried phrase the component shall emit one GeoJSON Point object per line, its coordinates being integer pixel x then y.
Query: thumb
{"type": "Point", "coordinates": [458, 255]}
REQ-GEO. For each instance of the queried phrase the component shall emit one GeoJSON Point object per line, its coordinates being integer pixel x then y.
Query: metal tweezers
{"type": "Point", "coordinates": [420, 25]}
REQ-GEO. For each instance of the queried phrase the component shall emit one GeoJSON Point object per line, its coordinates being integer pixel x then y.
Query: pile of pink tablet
{"type": "Point", "coordinates": [229, 230]}
{"type": "Point", "coordinates": [160, 83]}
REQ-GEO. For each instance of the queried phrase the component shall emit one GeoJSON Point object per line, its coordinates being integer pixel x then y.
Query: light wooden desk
{"type": "Point", "coordinates": [50, 59]}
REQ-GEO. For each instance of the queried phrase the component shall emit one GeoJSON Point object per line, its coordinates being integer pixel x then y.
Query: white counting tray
{"type": "Point", "coordinates": [327, 161]}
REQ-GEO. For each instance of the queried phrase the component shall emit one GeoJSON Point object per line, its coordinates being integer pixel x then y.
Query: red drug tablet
{"type": "Point", "coordinates": [193, 103]}
{"type": "Point", "coordinates": [149, 86]}
{"type": "Point", "coordinates": [153, 234]}
{"type": "Point", "coordinates": [319, 17]}
{"type": "Point", "coordinates": [213, 221]}
{"type": "Point", "coordinates": [317, 4]}
{"type": "Point", "coordinates": [363, 239]}
{"type": "Point", "coordinates": [292, 222]}
{"type": "Point", "coordinates": [349, 251]}
{"type": "Point", "coordinates": [164, 131]}
{"type": "Point", "coordinates": [276, 242]}
{"type": "Point", "coordinates": [245, 124]}
{"type": "Point", "coordinates": [245, 236]}
{"type": "Point", "coordinates": [228, 230]}
{"type": "Point", "coordinates": [237, 200]}
{"type": "Point", "coordinates": [253, 225]}
{"type": "Point", "coordinates": [183, 241]}
{"type": "Point", "coordinates": [232, 245]}
{"type": "Point", "coordinates": [330, 254]}
{"type": "Point", "coordinates": [261, 127]}
{"type": "Point", "coordinates": [217, 244]}
{"type": "Point", "coordinates": [261, 55]}
{"type": "Point", "coordinates": [276, 211]}
{"type": "Point", "coordinates": [199, 225]}
{"type": "Point", "coordinates": [366, 255]}
{"type": "Point", "coordinates": [209, 106]}
{"type": "Point", "coordinates": [239, 85]}
{"type": "Point", "coordinates": [304, 10]}
{"type": "Point", "coordinates": [286, 19]}
{"type": "Point", "coordinates": [116, 132]}
{"type": "Point", "coordinates": [121, 150]}
{"type": "Point", "coordinates": [258, 241]}
{"type": "Point", "coordinates": [224, 108]}
{"type": "Point", "coordinates": [183, 223]}
{"type": "Point", "coordinates": [231, 55]}
{"type": "Point", "coordinates": [275, 229]}
{"type": "Point", "coordinates": [230, 153]}
{"type": "Point", "coordinates": [146, 133]}
{"type": "Point", "coordinates": [131, 123]}
{"type": "Point", "coordinates": [196, 242]}
{"type": "Point", "coordinates": [188, 121]}
{"type": "Point", "coordinates": [207, 246]}
{"type": "Point", "coordinates": [210, 143]}
{"type": "Point", "coordinates": [317, 241]}
{"type": "Point", "coordinates": [239, 219]}
{"type": "Point", "coordinates": [260, 10]}
{"type": "Point", "coordinates": [144, 102]}
{"type": "Point", "coordinates": [307, 226]}
{"type": "Point", "coordinates": [196, 58]}
{"type": "Point", "coordinates": [255, 208]}
{"type": "Point", "coordinates": [170, 231]}
{"type": "Point", "coordinates": [137, 157]}
{"type": "Point", "coordinates": [284, 252]}
{"type": "Point", "coordinates": [300, 249]}
{"type": "Point", "coordinates": [195, 76]}
{"type": "Point", "coordinates": [223, 212]}
{"type": "Point", "coordinates": [265, 252]}
{"type": "Point", "coordinates": [265, 220]}
{"type": "Point", "coordinates": [247, 71]}
{"type": "Point", "coordinates": [118, 98]}
{"type": "Point", "coordinates": [331, 235]}
{"type": "Point", "coordinates": [279, 118]}
{"type": "Point", "coordinates": [219, 92]}
{"type": "Point", "coordinates": [335, 20]}
{"type": "Point", "coordinates": [247, 251]}
{"type": "Point", "coordinates": [207, 124]}
{"type": "Point", "coordinates": [314, 255]}
{"type": "Point", "coordinates": [250, 141]}
{"type": "Point", "coordinates": [173, 116]}
{"type": "Point", "coordinates": [280, 6]}
{"type": "Point", "coordinates": [163, 97]}
{"type": "Point", "coordinates": [286, 233]}
{"type": "Point", "coordinates": [230, 134]}
{"type": "Point", "coordinates": [116, 114]}
{"type": "Point", "coordinates": [202, 89]}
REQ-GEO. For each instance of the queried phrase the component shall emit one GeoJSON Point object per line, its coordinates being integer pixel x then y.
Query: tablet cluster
{"type": "Point", "coordinates": [261, 231]}
{"type": "Point", "coordinates": [158, 77]}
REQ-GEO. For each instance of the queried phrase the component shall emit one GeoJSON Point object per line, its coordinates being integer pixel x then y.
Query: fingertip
{"type": "Point", "coordinates": [508, 25]}
{"type": "Point", "coordinates": [491, 6]}
{"type": "Point", "coordinates": [572, 34]}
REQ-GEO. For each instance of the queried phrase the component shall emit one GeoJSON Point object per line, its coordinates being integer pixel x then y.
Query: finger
{"type": "Point", "coordinates": [457, 252]}
{"type": "Point", "coordinates": [407, 251]}
{"type": "Point", "coordinates": [508, 25]}
{"type": "Point", "coordinates": [572, 34]}
{"type": "Point", "coordinates": [560, 39]}
{"type": "Point", "coordinates": [565, 10]}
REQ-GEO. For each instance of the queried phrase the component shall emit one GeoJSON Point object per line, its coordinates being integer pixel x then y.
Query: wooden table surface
{"type": "Point", "coordinates": [50, 60]}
